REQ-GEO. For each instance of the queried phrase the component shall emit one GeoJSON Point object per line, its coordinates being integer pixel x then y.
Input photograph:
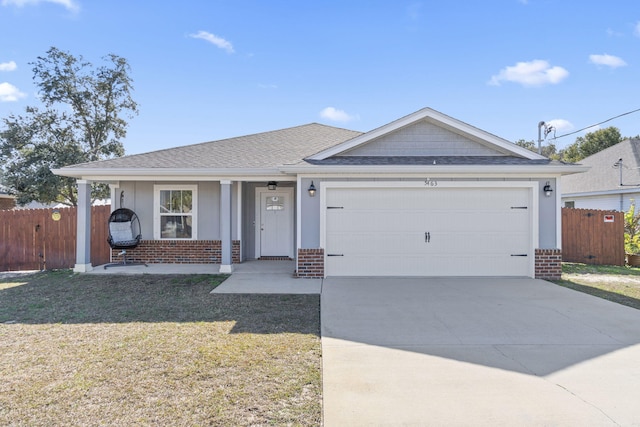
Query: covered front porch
{"type": "Point", "coordinates": [229, 221]}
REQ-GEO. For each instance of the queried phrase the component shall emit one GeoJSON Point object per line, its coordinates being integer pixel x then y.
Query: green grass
{"type": "Point", "coordinates": [155, 350]}
{"type": "Point", "coordinates": [613, 283]}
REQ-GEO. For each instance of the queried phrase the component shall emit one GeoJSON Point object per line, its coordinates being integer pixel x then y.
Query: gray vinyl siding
{"type": "Point", "coordinates": [138, 196]}
{"type": "Point", "coordinates": [609, 202]}
{"type": "Point", "coordinates": [423, 139]}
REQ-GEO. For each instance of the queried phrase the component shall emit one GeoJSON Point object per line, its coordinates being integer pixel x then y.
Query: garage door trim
{"type": "Point", "coordinates": [531, 186]}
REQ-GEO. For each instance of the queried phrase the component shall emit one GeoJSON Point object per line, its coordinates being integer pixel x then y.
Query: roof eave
{"type": "Point", "coordinates": [202, 174]}
{"type": "Point", "coordinates": [438, 169]}
{"type": "Point", "coordinates": [603, 192]}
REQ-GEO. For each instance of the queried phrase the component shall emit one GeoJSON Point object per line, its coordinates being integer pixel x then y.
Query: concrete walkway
{"type": "Point", "coordinates": [267, 277]}
{"type": "Point", "coordinates": [481, 352]}
{"type": "Point", "coordinates": [249, 277]}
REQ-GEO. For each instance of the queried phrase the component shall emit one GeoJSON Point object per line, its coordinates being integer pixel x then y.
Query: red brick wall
{"type": "Point", "coordinates": [310, 263]}
{"type": "Point", "coordinates": [548, 264]}
{"type": "Point", "coordinates": [179, 252]}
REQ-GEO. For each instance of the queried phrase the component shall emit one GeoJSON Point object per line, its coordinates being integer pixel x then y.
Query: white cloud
{"type": "Point", "coordinates": [613, 33]}
{"type": "Point", "coordinates": [636, 29]}
{"type": "Point", "coordinates": [10, 93]}
{"type": "Point", "coordinates": [534, 73]}
{"type": "Point", "coordinates": [608, 60]}
{"type": "Point", "coordinates": [71, 5]}
{"type": "Point", "coordinates": [560, 125]}
{"type": "Point", "coordinates": [213, 39]}
{"type": "Point", "coordinates": [336, 115]}
{"type": "Point", "coordinates": [8, 66]}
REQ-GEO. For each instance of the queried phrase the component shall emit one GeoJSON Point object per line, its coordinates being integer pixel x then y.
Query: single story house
{"type": "Point", "coordinates": [425, 195]}
{"type": "Point", "coordinates": [612, 182]}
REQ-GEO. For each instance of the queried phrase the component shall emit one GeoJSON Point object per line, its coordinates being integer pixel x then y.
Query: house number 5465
{"type": "Point", "coordinates": [430, 182]}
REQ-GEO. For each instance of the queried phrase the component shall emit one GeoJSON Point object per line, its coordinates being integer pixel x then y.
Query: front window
{"type": "Point", "coordinates": [175, 212]}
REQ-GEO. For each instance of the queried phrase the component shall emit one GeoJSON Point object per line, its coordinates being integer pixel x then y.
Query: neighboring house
{"type": "Point", "coordinates": [611, 183]}
{"type": "Point", "coordinates": [425, 195]}
{"type": "Point", "coordinates": [7, 201]}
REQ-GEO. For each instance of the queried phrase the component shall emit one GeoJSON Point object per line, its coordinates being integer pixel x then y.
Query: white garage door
{"type": "Point", "coordinates": [428, 232]}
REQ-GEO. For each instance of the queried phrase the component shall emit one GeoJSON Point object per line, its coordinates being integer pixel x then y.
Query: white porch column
{"type": "Point", "coordinates": [226, 266]}
{"type": "Point", "coordinates": [83, 233]}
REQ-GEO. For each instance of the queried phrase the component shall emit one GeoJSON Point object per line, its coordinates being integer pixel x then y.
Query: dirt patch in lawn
{"type": "Point", "coordinates": [155, 350]}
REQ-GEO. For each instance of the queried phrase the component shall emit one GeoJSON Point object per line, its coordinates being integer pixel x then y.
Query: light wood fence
{"type": "Point", "coordinates": [45, 239]}
{"type": "Point", "coordinates": [593, 236]}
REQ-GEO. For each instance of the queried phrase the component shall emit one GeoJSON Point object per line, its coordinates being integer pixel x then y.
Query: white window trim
{"type": "Point", "coordinates": [156, 210]}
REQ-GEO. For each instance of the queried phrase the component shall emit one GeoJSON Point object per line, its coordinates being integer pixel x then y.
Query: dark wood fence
{"type": "Point", "coordinates": [593, 236]}
{"type": "Point", "coordinates": [45, 239]}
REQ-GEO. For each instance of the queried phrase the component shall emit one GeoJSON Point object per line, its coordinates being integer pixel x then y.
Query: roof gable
{"type": "Point", "coordinates": [427, 133]}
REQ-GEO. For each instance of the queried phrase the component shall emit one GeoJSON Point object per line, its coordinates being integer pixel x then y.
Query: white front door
{"type": "Point", "coordinates": [274, 222]}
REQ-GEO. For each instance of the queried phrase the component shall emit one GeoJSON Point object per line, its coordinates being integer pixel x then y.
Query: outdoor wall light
{"type": "Point", "coordinates": [547, 189]}
{"type": "Point", "coordinates": [312, 190]}
{"type": "Point", "coordinates": [272, 185]}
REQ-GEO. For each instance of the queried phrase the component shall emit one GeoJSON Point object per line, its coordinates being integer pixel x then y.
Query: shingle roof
{"type": "Point", "coordinates": [261, 150]}
{"type": "Point", "coordinates": [603, 175]}
{"type": "Point", "coordinates": [426, 160]}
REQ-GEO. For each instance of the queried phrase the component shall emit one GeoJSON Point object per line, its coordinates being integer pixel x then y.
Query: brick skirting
{"type": "Point", "coordinates": [310, 263]}
{"type": "Point", "coordinates": [548, 264]}
{"type": "Point", "coordinates": [179, 252]}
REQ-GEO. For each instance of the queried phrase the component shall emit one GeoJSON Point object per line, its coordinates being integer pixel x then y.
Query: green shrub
{"type": "Point", "coordinates": [632, 230]}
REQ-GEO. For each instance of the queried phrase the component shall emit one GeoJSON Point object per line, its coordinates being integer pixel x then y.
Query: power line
{"type": "Point", "coordinates": [597, 124]}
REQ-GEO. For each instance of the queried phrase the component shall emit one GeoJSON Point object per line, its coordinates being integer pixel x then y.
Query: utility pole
{"type": "Point", "coordinates": [547, 130]}
{"type": "Point", "coordinates": [540, 125]}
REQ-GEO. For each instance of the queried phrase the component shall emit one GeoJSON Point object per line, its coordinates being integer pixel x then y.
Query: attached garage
{"type": "Point", "coordinates": [429, 228]}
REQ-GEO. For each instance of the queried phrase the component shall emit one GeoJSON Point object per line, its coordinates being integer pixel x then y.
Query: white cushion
{"type": "Point", "coordinates": [121, 231]}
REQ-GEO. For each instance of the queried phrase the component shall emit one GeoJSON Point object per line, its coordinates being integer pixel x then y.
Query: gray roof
{"type": "Point", "coordinates": [426, 160]}
{"type": "Point", "coordinates": [261, 150]}
{"type": "Point", "coordinates": [603, 175]}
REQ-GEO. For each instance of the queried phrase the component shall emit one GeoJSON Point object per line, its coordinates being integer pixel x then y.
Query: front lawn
{"type": "Point", "coordinates": [617, 284]}
{"type": "Point", "coordinates": [155, 350]}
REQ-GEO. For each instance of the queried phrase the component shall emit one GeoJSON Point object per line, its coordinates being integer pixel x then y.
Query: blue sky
{"type": "Point", "coordinates": [213, 69]}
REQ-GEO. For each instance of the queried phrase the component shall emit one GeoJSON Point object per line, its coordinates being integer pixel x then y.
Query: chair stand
{"type": "Point", "coordinates": [124, 262]}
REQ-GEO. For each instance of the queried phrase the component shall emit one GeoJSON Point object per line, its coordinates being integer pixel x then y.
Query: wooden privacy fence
{"type": "Point", "coordinates": [45, 239]}
{"type": "Point", "coordinates": [592, 236]}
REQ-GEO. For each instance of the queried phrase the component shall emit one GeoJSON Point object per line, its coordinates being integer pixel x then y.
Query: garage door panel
{"type": "Point", "coordinates": [452, 243]}
{"type": "Point", "coordinates": [443, 265]}
{"type": "Point", "coordinates": [477, 243]}
{"type": "Point", "coordinates": [371, 220]}
{"type": "Point", "coordinates": [368, 243]}
{"type": "Point", "coordinates": [432, 232]}
{"type": "Point", "coordinates": [397, 220]}
{"type": "Point", "coordinates": [471, 221]}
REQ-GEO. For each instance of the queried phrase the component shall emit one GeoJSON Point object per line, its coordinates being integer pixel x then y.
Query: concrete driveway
{"type": "Point", "coordinates": [498, 352]}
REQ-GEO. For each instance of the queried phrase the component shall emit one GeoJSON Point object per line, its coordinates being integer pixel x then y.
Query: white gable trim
{"type": "Point", "coordinates": [436, 118]}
